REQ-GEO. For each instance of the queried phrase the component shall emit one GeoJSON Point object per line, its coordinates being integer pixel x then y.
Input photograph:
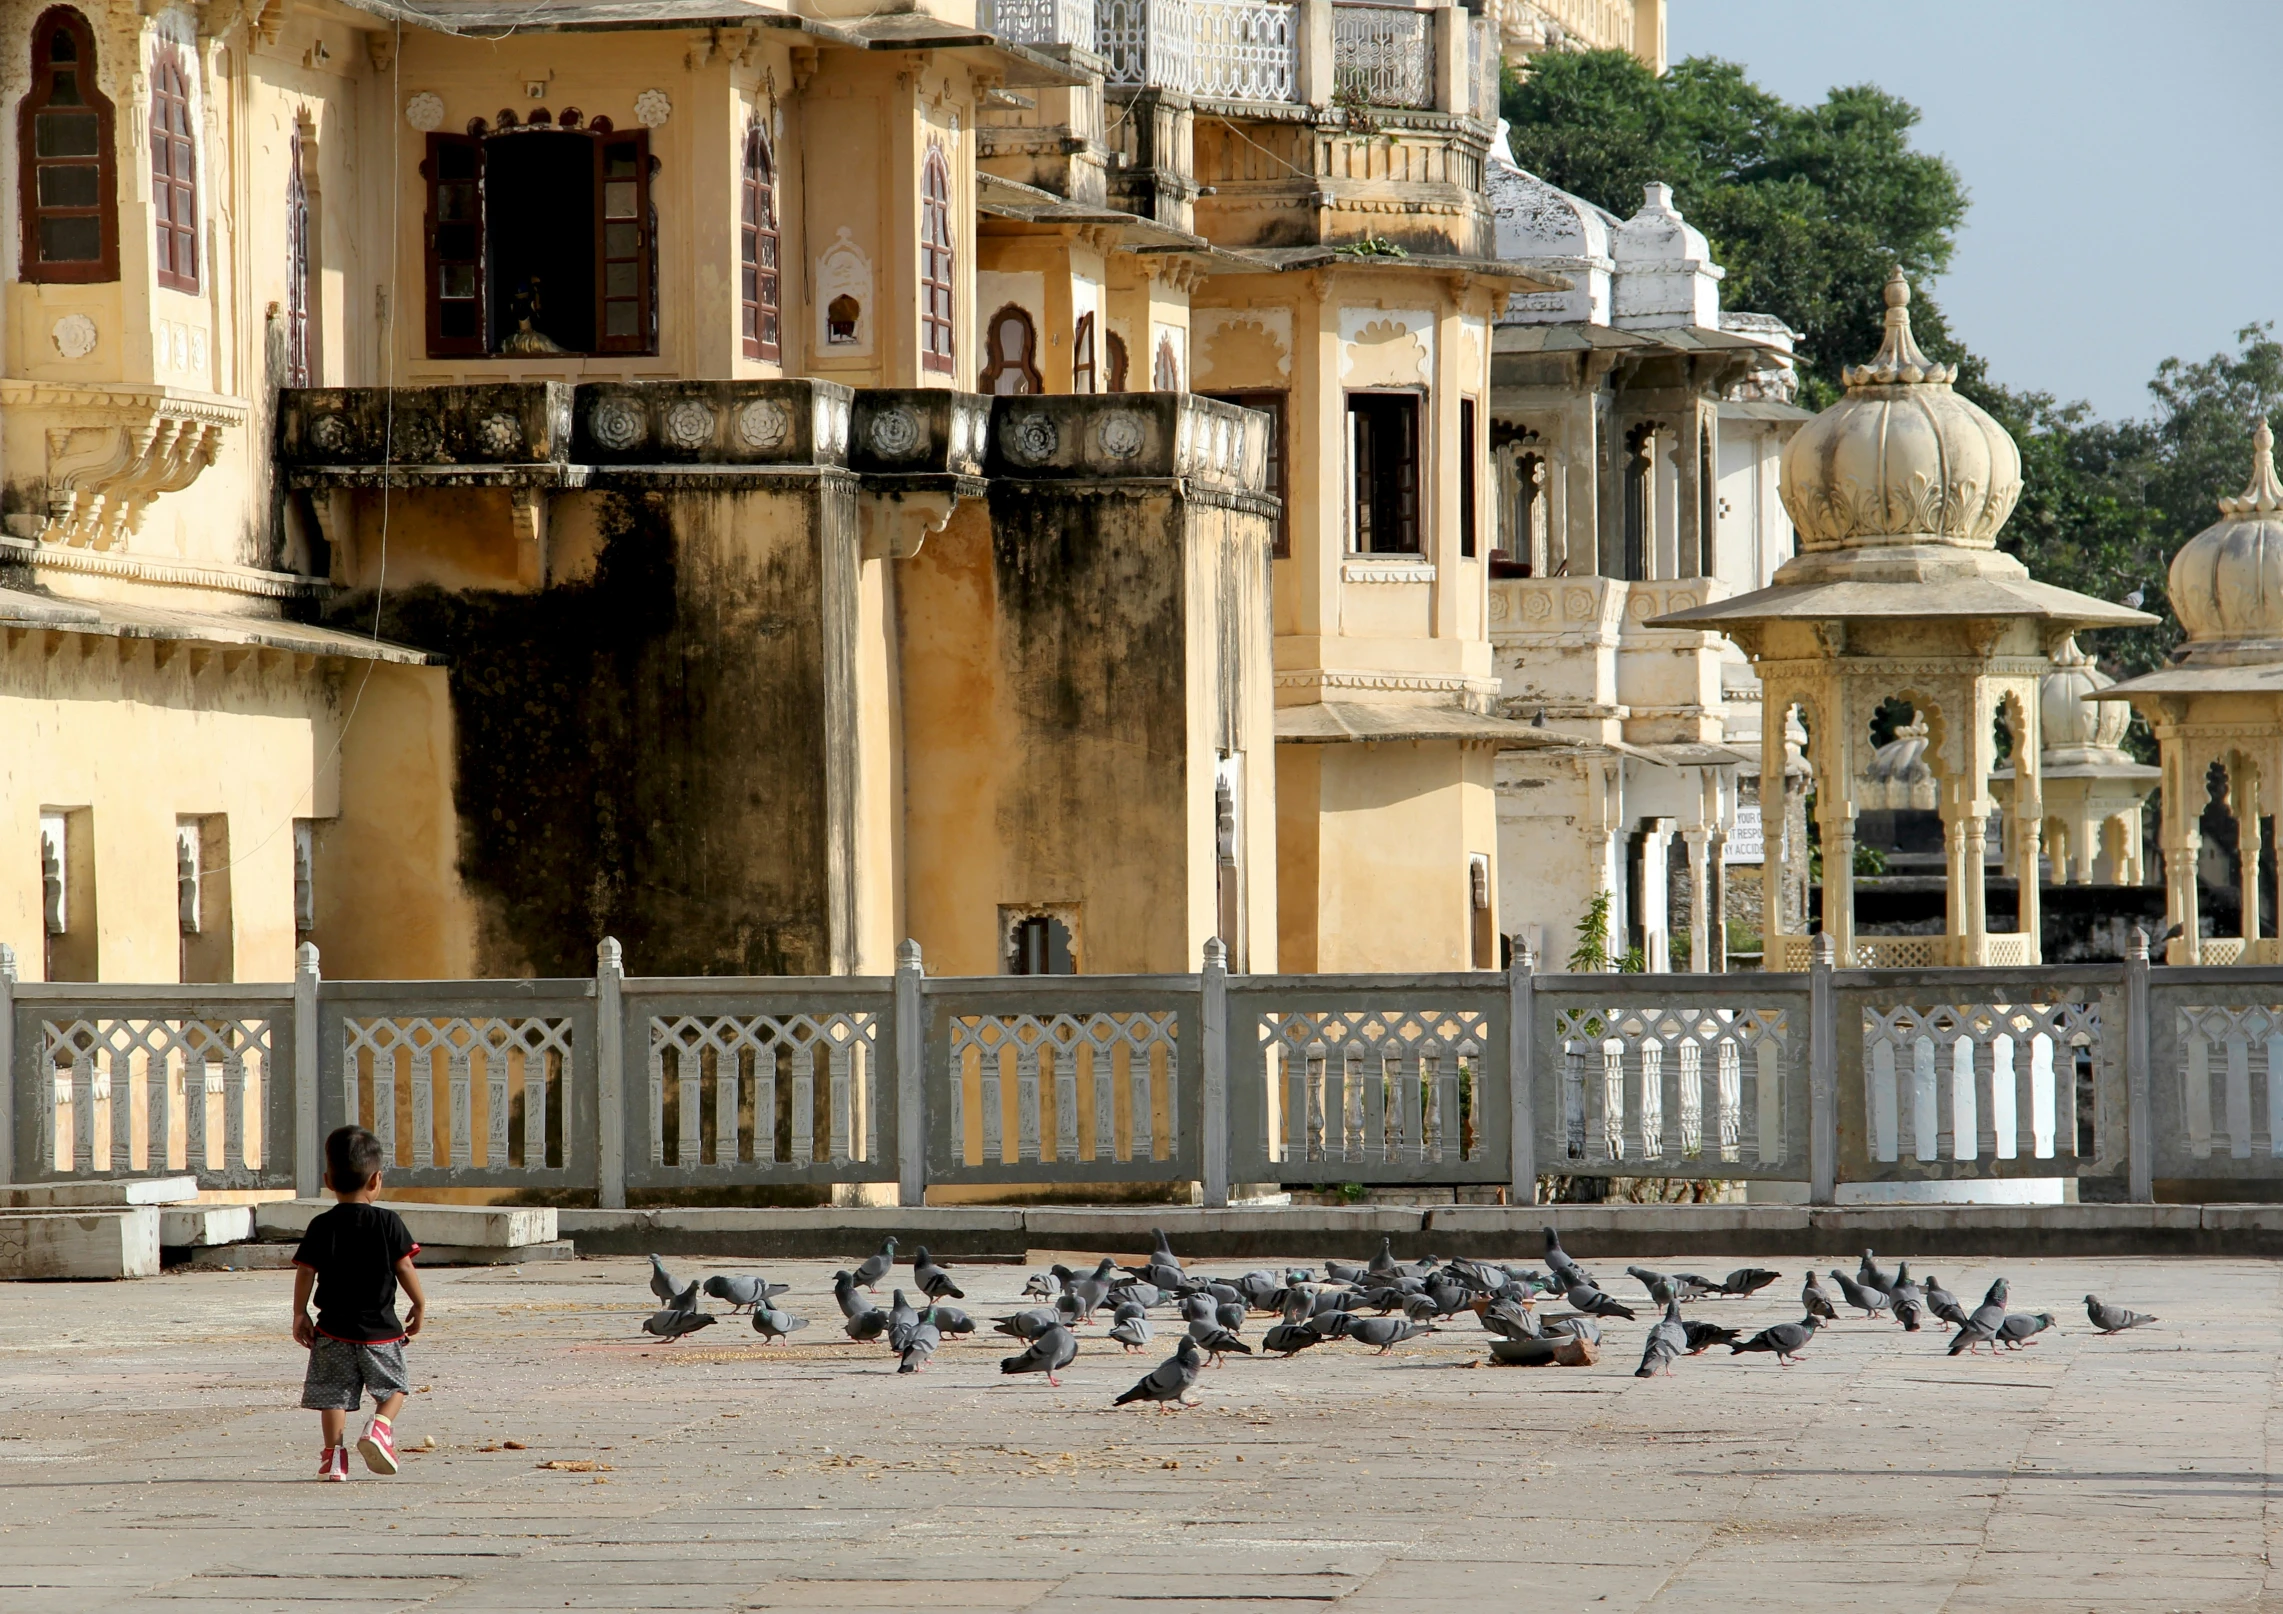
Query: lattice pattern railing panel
{"type": "Point", "coordinates": [779, 1085]}
{"type": "Point", "coordinates": [1244, 50]}
{"type": "Point", "coordinates": [1899, 952]}
{"type": "Point", "coordinates": [1042, 22]}
{"type": "Point", "coordinates": [1376, 1087]}
{"type": "Point", "coordinates": [1122, 1106]}
{"type": "Point", "coordinates": [1976, 1081]}
{"type": "Point", "coordinates": [1661, 1086]}
{"type": "Point", "coordinates": [1382, 52]}
{"type": "Point", "coordinates": [403, 1074]}
{"type": "Point", "coordinates": [2239, 1050]}
{"type": "Point", "coordinates": [1146, 43]}
{"type": "Point", "coordinates": [133, 1095]}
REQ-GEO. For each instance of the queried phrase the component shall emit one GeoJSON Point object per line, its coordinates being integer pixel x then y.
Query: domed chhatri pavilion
{"type": "Point", "coordinates": [1899, 592]}
{"type": "Point", "coordinates": [2221, 703]}
{"type": "Point", "coordinates": [2095, 793]}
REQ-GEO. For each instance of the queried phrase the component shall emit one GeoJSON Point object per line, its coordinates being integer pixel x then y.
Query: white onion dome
{"type": "Point", "coordinates": [2227, 581]}
{"type": "Point", "coordinates": [1902, 459]}
{"type": "Point", "coordinates": [2074, 727]}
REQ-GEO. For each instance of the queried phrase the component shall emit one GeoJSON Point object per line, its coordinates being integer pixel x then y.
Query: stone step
{"type": "Point", "coordinates": [108, 1192]}
{"type": "Point", "coordinates": [80, 1243]}
{"type": "Point", "coordinates": [277, 1255]}
{"type": "Point", "coordinates": [205, 1225]}
{"type": "Point", "coordinates": [478, 1226]}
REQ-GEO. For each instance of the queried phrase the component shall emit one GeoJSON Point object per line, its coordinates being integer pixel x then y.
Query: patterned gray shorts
{"type": "Point", "coordinates": [341, 1371]}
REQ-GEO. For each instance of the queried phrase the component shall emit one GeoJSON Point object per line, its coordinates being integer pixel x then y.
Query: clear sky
{"type": "Point", "coordinates": [2121, 210]}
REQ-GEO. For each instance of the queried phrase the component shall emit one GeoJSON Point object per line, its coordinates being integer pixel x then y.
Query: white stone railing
{"type": "Point", "coordinates": [1041, 22]}
{"type": "Point", "coordinates": [1244, 50]}
{"type": "Point", "coordinates": [1385, 54]}
{"type": "Point", "coordinates": [1147, 43]}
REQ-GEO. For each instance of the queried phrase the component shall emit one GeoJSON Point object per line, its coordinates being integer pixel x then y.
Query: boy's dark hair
{"type": "Point", "coordinates": [352, 1155]}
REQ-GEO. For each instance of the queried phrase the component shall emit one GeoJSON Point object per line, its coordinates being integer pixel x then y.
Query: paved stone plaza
{"type": "Point", "coordinates": [151, 1455]}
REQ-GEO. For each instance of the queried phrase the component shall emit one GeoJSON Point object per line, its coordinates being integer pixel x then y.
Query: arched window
{"type": "Point", "coordinates": [1167, 376]}
{"type": "Point", "coordinates": [1082, 355]}
{"type": "Point", "coordinates": [759, 250]}
{"type": "Point", "coordinates": [1012, 342]}
{"type": "Point", "coordinates": [1114, 361]}
{"type": "Point", "coordinates": [297, 366]}
{"type": "Point", "coordinates": [935, 262]}
{"type": "Point", "coordinates": [68, 182]}
{"type": "Point", "coordinates": [174, 172]}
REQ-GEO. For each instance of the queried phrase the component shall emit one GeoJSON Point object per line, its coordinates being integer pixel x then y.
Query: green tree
{"type": "Point", "coordinates": [1806, 207]}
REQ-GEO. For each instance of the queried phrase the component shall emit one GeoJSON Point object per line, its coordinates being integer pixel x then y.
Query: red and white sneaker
{"type": "Point", "coordinates": [334, 1464]}
{"type": "Point", "coordinates": [377, 1447]}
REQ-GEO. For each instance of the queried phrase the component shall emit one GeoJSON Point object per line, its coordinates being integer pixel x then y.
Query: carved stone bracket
{"type": "Point", "coordinates": [112, 450]}
{"type": "Point", "coordinates": [896, 524]}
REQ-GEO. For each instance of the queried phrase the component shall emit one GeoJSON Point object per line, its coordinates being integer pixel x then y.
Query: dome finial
{"type": "Point", "coordinates": [1899, 360]}
{"type": "Point", "coordinates": [2265, 494]}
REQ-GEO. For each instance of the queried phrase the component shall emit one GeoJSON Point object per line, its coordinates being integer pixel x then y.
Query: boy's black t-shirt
{"type": "Point", "coordinates": [354, 1248]}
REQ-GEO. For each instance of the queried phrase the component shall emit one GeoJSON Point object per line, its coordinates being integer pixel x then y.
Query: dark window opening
{"type": "Point", "coordinates": [1040, 945]}
{"type": "Point", "coordinates": [1270, 404]}
{"type": "Point", "coordinates": [758, 292]}
{"type": "Point", "coordinates": [174, 174]}
{"type": "Point", "coordinates": [298, 369]}
{"type": "Point", "coordinates": [1640, 500]}
{"type": "Point", "coordinates": [840, 317]}
{"type": "Point", "coordinates": [1114, 361]}
{"type": "Point", "coordinates": [1082, 355]}
{"type": "Point", "coordinates": [1383, 435]}
{"type": "Point", "coordinates": [1524, 545]}
{"type": "Point", "coordinates": [1011, 343]}
{"type": "Point", "coordinates": [67, 178]}
{"type": "Point", "coordinates": [1467, 480]}
{"type": "Point", "coordinates": [540, 242]}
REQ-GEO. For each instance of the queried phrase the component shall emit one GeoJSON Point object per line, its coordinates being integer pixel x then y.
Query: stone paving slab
{"type": "Point", "coordinates": [152, 1458]}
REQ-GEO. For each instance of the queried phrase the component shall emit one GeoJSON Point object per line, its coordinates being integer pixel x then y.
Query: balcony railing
{"type": "Point", "coordinates": [1383, 53]}
{"type": "Point", "coordinates": [1042, 22]}
{"type": "Point", "coordinates": [1245, 51]}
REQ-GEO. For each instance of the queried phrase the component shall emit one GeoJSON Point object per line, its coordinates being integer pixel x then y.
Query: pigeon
{"type": "Point", "coordinates": [1870, 1277]}
{"type": "Point", "coordinates": [771, 1323]}
{"type": "Point", "coordinates": [1094, 1290]}
{"type": "Point", "coordinates": [1216, 1341]}
{"type": "Point", "coordinates": [950, 1320]}
{"type": "Point", "coordinates": [1041, 1286]}
{"type": "Point", "coordinates": [2113, 1319]}
{"type": "Point", "coordinates": [867, 1325]}
{"type": "Point", "coordinates": [1661, 1288]}
{"type": "Point", "coordinates": [1667, 1340]}
{"type": "Point", "coordinates": [1132, 1332]}
{"type": "Point", "coordinates": [1164, 1256]}
{"type": "Point", "coordinates": [902, 1319]}
{"type": "Point", "coordinates": [1703, 1336]}
{"type": "Point", "coordinates": [918, 1347]}
{"type": "Point", "coordinates": [2022, 1328]}
{"type": "Point", "coordinates": [1290, 1339]}
{"type": "Point", "coordinates": [1869, 1301]}
{"type": "Point", "coordinates": [1050, 1353]}
{"type": "Point", "coordinates": [1676, 1286]}
{"type": "Point", "coordinates": [1787, 1340]}
{"type": "Point", "coordinates": [2134, 598]}
{"type": "Point", "coordinates": [1562, 1267]}
{"type": "Point", "coordinates": [1577, 1323]}
{"type": "Point", "coordinates": [1141, 1294]}
{"type": "Point", "coordinates": [844, 1291]}
{"type": "Point", "coordinates": [934, 1281]}
{"type": "Point", "coordinates": [1586, 1298]}
{"type": "Point", "coordinates": [1745, 1281]}
{"type": "Point", "coordinates": [680, 1317]}
{"type": "Point", "coordinates": [1389, 1332]}
{"type": "Point", "coordinates": [662, 1282]}
{"type": "Point", "coordinates": [1171, 1380]}
{"type": "Point", "coordinates": [1942, 1302]}
{"type": "Point", "coordinates": [1384, 1263]}
{"type": "Point", "coordinates": [1509, 1321]}
{"type": "Point", "coordinates": [743, 1293]}
{"type": "Point", "coordinates": [1982, 1327]}
{"type": "Point", "coordinates": [1257, 1288]}
{"type": "Point", "coordinates": [1026, 1325]}
{"type": "Point", "coordinates": [876, 1267]}
{"type": "Point", "coordinates": [1231, 1315]}
{"type": "Point", "coordinates": [1328, 1300]}
{"type": "Point", "coordinates": [1072, 1307]}
{"type": "Point", "coordinates": [1198, 1308]}
{"type": "Point", "coordinates": [1907, 1298]}
{"type": "Point", "coordinates": [1817, 1302]}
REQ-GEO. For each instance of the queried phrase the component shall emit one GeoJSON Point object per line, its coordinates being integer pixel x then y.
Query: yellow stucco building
{"type": "Point", "coordinates": [761, 482]}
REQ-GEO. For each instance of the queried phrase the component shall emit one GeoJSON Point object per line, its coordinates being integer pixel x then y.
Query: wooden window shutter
{"type": "Point", "coordinates": [67, 165]}
{"type": "Point", "coordinates": [624, 254]}
{"type": "Point", "coordinates": [454, 234]}
{"type": "Point", "coordinates": [174, 174]}
{"type": "Point", "coordinates": [757, 266]}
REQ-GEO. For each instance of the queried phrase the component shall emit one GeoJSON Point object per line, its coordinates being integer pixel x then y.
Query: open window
{"type": "Point", "coordinates": [299, 370]}
{"type": "Point", "coordinates": [1469, 484]}
{"type": "Point", "coordinates": [67, 175]}
{"type": "Point", "coordinates": [541, 241]}
{"type": "Point", "coordinates": [1383, 451]}
{"type": "Point", "coordinates": [1270, 404]}
{"type": "Point", "coordinates": [174, 173]}
{"type": "Point", "coordinates": [935, 262]}
{"type": "Point", "coordinates": [1166, 377]}
{"type": "Point", "coordinates": [1113, 362]}
{"type": "Point", "coordinates": [758, 253]}
{"type": "Point", "coordinates": [1041, 940]}
{"type": "Point", "coordinates": [1082, 355]}
{"type": "Point", "coordinates": [1012, 345]}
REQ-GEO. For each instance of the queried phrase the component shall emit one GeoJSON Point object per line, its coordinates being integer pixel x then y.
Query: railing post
{"type": "Point", "coordinates": [610, 1076]}
{"type": "Point", "coordinates": [8, 1084]}
{"type": "Point", "coordinates": [1447, 74]}
{"type": "Point", "coordinates": [911, 1078]}
{"type": "Point", "coordinates": [1522, 1072]}
{"type": "Point", "coordinates": [1822, 1074]}
{"type": "Point", "coordinates": [2139, 1134]}
{"type": "Point", "coordinates": [1213, 1025]}
{"type": "Point", "coordinates": [308, 1147]}
{"type": "Point", "coordinates": [1312, 54]}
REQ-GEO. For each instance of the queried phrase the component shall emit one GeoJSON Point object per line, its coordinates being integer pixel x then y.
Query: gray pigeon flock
{"type": "Point", "coordinates": [1380, 1304]}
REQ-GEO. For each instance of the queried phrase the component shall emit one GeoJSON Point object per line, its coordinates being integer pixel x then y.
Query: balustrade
{"type": "Point", "coordinates": [1041, 22]}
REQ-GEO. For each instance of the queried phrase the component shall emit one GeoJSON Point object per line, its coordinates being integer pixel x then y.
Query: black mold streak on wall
{"type": "Point", "coordinates": [642, 754]}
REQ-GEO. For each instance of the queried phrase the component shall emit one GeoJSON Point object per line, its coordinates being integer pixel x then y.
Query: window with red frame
{"type": "Point", "coordinates": [935, 262]}
{"type": "Point", "coordinates": [174, 172]}
{"type": "Point", "coordinates": [67, 177]}
{"type": "Point", "coordinates": [759, 250]}
{"type": "Point", "coordinates": [298, 369]}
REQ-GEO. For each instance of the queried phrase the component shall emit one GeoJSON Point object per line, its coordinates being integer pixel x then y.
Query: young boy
{"type": "Point", "coordinates": [355, 1256]}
